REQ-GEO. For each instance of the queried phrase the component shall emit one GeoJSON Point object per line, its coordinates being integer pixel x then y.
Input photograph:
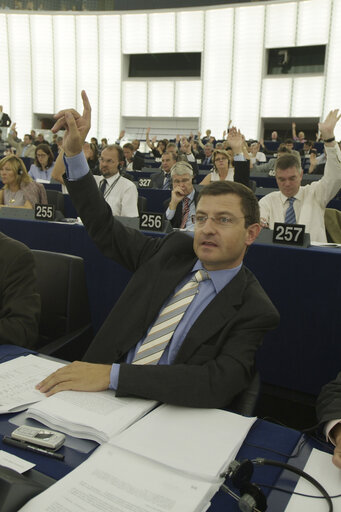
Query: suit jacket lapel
{"type": "Point", "coordinates": [214, 317]}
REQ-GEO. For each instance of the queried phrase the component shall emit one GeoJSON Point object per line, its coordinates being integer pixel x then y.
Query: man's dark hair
{"type": "Point", "coordinates": [29, 136]}
{"type": "Point", "coordinates": [283, 149]}
{"type": "Point", "coordinates": [286, 161]}
{"type": "Point", "coordinates": [249, 203]}
{"type": "Point", "coordinates": [119, 150]}
{"type": "Point", "coordinates": [129, 146]}
{"type": "Point", "coordinates": [289, 141]}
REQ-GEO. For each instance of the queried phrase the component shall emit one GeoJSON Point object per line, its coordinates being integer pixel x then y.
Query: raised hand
{"type": "Point", "coordinates": [327, 126]}
{"type": "Point", "coordinates": [76, 127]}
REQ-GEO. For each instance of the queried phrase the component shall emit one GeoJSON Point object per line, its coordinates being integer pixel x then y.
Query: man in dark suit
{"type": "Point", "coordinates": [19, 299]}
{"type": "Point", "coordinates": [180, 208]}
{"type": "Point", "coordinates": [328, 409]}
{"type": "Point", "coordinates": [133, 162]}
{"type": "Point", "coordinates": [162, 179]}
{"type": "Point", "coordinates": [208, 355]}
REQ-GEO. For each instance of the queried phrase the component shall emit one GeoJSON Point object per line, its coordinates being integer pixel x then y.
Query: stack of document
{"type": "Point", "coordinates": [90, 415]}
{"type": "Point", "coordinates": [170, 460]}
{"type": "Point", "coordinates": [18, 379]}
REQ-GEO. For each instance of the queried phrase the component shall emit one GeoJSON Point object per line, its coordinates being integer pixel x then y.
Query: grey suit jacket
{"type": "Point", "coordinates": [216, 359]}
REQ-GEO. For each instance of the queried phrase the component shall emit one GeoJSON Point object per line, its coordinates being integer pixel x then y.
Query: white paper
{"type": "Point", "coordinates": [319, 466]}
{"type": "Point", "coordinates": [90, 415]}
{"type": "Point", "coordinates": [13, 462]}
{"type": "Point", "coordinates": [18, 379]}
{"type": "Point", "coordinates": [112, 479]}
{"type": "Point", "coordinates": [197, 441]}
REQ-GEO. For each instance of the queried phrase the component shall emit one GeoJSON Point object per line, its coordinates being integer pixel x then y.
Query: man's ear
{"type": "Point", "coordinates": [252, 233]}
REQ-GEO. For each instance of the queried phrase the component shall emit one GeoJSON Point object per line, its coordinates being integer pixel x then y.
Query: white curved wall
{"type": "Point", "coordinates": [46, 59]}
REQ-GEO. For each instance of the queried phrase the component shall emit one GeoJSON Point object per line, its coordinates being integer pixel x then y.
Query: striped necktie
{"type": "Point", "coordinates": [290, 217]}
{"type": "Point", "coordinates": [185, 213]}
{"type": "Point", "coordinates": [167, 182]}
{"type": "Point", "coordinates": [102, 186]}
{"type": "Point", "coordinates": [167, 321]}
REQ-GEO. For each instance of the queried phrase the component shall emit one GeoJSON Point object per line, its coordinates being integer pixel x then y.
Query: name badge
{"type": "Point", "coordinates": [44, 211]}
{"type": "Point", "coordinates": [289, 234]}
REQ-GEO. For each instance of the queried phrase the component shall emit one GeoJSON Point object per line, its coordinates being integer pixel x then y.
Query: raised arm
{"type": "Point", "coordinates": [148, 141]}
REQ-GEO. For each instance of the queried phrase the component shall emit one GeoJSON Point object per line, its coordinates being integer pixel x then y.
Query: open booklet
{"type": "Point", "coordinates": [169, 461]}
{"type": "Point", "coordinates": [18, 379]}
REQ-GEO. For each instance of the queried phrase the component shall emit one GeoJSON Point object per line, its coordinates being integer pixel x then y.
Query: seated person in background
{"type": "Point", "coordinates": [197, 150]}
{"type": "Point", "coordinates": [24, 148]}
{"type": "Point", "coordinates": [43, 163]}
{"type": "Point", "coordinates": [208, 151]}
{"type": "Point", "coordinates": [19, 299]}
{"type": "Point", "coordinates": [132, 161]}
{"type": "Point", "coordinates": [307, 147]}
{"type": "Point", "coordinates": [181, 205]}
{"type": "Point", "coordinates": [300, 137]}
{"type": "Point", "coordinates": [19, 190]}
{"type": "Point", "coordinates": [160, 147]}
{"type": "Point", "coordinates": [104, 143]}
{"type": "Point", "coordinates": [39, 139]}
{"type": "Point", "coordinates": [119, 193]}
{"type": "Point", "coordinates": [208, 355]}
{"type": "Point", "coordinates": [91, 154]}
{"type": "Point", "coordinates": [224, 162]}
{"type": "Point", "coordinates": [274, 137]}
{"type": "Point", "coordinates": [328, 411]}
{"type": "Point", "coordinates": [289, 143]}
{"type": "Point", "coordinates": [162, 179]}
{"type": "Point", "coordinates": [256, 155]}
{"type": "Point", "coordinates": [305, 205]}
{"type": "Point", "coordinates": [269, 167]}
{"type": "Point", "coordinates": [136, 146]}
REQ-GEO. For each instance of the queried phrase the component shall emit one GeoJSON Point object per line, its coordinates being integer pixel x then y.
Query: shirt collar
{"type": "Point", "coordinates": [113, 178]}
{"type": "Point", "coordinates": [220, 278]}
{"type": "Point", "coordinates": [297, 196]}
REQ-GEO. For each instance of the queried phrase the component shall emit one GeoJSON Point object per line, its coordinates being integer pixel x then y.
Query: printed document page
{"type": "Point", "coordinates": [18, 379]}
{"type": "Point", "coordinates": [319, 466]}
{"type": "Point", "coordinates": [112, 479]}
{"type": "Point", "coordinates": [198, 441]}
{"type": "Point", "coordinates": [90, 415]}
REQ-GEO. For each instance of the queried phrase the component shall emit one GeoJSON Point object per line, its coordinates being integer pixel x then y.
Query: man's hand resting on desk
{"type": "Point", "coordinates": [77, 376]}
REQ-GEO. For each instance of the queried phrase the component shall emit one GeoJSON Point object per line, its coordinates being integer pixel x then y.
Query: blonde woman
{"type": "Point", "coordinates": [19, 190]}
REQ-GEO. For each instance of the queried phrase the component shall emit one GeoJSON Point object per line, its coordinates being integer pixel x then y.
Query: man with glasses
{"type": "Point", "coordinates": [186, 328]}
{"type": "Point", "coordinates": [119, 192]}
{"type": "Point", "coordinates": [181, 206]}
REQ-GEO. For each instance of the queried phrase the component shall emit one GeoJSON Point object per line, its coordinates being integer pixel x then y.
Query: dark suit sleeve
{"type": "Point", "coordinates": [138, 163]}
{"type": "Point", "coordinates": [128, 247]}
{"type": "Point", "coordinates": [20, 302]}
{"type": "Point", "coordinates": [328, 405]}
{"type": "Point", "coordinates": [216, 372]}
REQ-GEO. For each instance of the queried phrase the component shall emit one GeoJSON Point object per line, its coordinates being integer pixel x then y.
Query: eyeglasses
{"type": "Point", "coordinates": [223, 221]}
{"type": "Point", "coordinates": [108, 161]}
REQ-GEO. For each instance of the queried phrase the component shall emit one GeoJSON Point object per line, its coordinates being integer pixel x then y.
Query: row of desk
{"type": "Point", "coordinates": [265, 440]}
{"type": "Point", "coordinates": [302, 354]}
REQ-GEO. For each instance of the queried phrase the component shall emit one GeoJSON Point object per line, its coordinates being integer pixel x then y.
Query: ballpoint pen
{"type": "Point", "coordinates": [31, 448]}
